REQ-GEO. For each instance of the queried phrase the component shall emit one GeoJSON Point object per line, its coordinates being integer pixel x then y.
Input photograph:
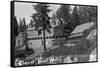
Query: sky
{"type": "Point", "coordinates": [26, 10]}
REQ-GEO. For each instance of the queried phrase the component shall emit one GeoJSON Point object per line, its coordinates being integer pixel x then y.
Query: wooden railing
{"type": "Point", "coordinates": [60, 36]}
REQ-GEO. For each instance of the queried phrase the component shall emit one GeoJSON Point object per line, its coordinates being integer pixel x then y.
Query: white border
{"type": "Point", "coordinates": [5, 33]}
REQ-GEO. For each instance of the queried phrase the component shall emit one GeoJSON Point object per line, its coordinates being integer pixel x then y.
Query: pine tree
{"type": "Point", "coordinates": [42, 19]}
{"type": "Point", "coordinates": [24, 27]}
{"type": "Point", "coordinates": [20, 25]}
{"type": "Point", "coordinates": [24, 24]}
{"type": "Point", "coordinates": [63, 16]}
{"type": "Point", "coordinates": [31, 24]}
{"type": "Point", "coordinates": [64, 13]}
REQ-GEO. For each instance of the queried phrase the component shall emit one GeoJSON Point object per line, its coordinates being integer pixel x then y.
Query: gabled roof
{"type": "Point", "coordinates": [78, 31]}
{"type": "Point", "coordinates": [82, 27]}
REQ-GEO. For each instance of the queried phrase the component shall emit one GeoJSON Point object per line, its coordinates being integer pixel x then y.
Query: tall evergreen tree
{"type": "Point", "coordinates": [24, 27]}
{"type": "Point", "coordinates": [24, 24]}
{"type": "Point", "coordinates": [42, 19]}
{"type": "Point", "coordinates": [31, 24]}
{"type": "Point", "coordinates": [63, 17]}
{"type": "Point", "coordinates": [20, 25]}
{"type": "Point", "coordinates": [64, 13]}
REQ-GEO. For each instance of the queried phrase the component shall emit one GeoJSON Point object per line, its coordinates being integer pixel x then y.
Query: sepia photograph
{"type": "Point", "coordinates": [53, 33]}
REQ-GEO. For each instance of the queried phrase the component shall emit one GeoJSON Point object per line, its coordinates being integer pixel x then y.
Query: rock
{"type": "Point", "coordinates": [67, 60]}
{"type": "Point", "coordinates": [92, 35]}
{"type": "Point", "coordinates": [93, 56]}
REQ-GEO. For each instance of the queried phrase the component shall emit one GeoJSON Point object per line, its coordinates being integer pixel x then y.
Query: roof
{"type": "Point", "coordinates": [83, 27]}
{"type": "Point", "coordinates": [34, 33]}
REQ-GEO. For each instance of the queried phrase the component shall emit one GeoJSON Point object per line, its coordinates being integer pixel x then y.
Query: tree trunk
{"type": "Point", "coordinates": [44, 41]}
{"type": "Point", "coordinates": [25, 40]}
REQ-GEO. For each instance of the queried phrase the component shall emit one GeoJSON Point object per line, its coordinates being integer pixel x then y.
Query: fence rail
{"type": "Point", "coordinates": [60, 36]}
